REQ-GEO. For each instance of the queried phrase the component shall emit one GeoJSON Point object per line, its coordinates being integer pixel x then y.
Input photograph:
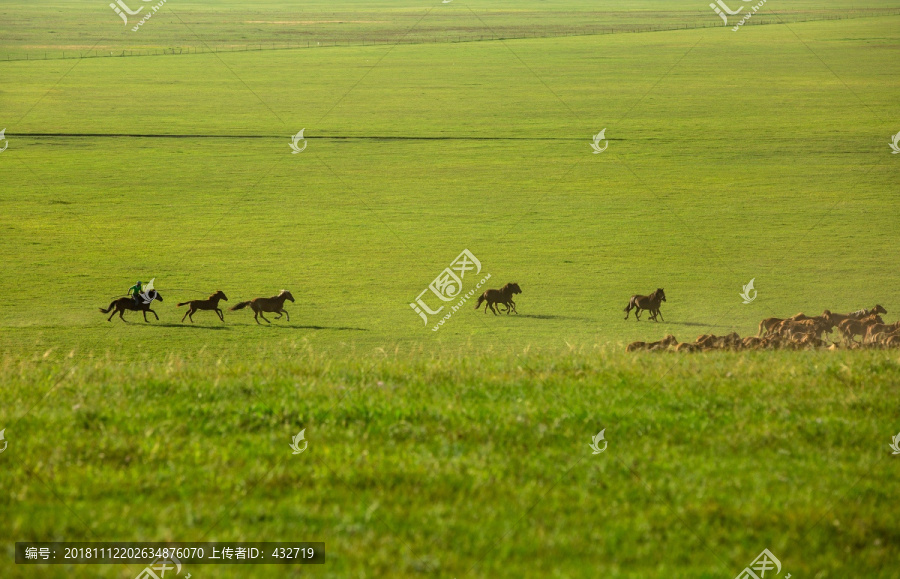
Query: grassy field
{"type": "Point", "coordinates": [760, 154]}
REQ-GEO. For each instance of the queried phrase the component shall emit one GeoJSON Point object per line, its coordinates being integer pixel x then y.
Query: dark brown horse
{"type": "Point", "coordinates": [211, 303]}
{"type": "Point", "coordinates": [863, 313]}
{"type": "Point", "coordinates": [650, 303]}
{"type": "Point", "coordinates": [501, 296]}
{"type": "Point", "coordinates": [121, 305]}
{"type": "Point", "coordinates": [272, 305]}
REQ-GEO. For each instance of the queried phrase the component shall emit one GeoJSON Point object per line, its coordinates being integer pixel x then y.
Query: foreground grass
{"type": "Point", "coordinates": [462, 465]}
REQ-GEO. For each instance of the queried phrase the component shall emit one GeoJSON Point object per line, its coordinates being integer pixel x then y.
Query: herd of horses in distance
{"type": "Point", "coordinates": [796, 332]}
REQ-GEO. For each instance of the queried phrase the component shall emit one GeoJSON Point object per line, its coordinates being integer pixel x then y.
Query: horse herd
{"type": "Point", "coordinates": [274, 304]}
{"type": "Point", "coordinates": [492, 298]}
{"type": "Point", "coordinates": [796, 332]}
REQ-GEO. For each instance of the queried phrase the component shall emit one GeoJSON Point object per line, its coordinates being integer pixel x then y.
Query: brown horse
{"type": "Point", "coordinates": [211, 303]}
{"type": "Point", "coordinates": [650, 303]}
{"type": "Point", "coordinates": [121, 305]}
{"type": "Point", "coordinates": [272, 305]}
{"type": "Point", "coordinates": [864, 313]}
{"type": "Point", "coordinates": [501, 296]}
{"type": "Point", "coordinates": [851, 327]}
{"type": "Point", "coordinates": [663, 344]}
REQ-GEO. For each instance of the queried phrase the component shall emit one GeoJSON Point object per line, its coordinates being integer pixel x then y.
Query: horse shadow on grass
{"type": "Point", "coordinates": [697, 324]}
{"type": "Point", "coordinates": [549, 317]}
{"type": "Point", "coordinates": [296, 327]}
{"type": "Point", "coordinates": [195, 326]}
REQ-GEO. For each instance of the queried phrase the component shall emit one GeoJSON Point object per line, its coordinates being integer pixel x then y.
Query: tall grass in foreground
{"type": "Point", "coordinates": [461, 464]}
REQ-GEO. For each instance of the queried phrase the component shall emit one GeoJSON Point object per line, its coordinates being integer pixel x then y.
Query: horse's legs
{"type": "Point", "coordinates": [191, 312]}
{"type": "Point", "coordinates": [637, 313]}
{"type": "Point", "coordinates": [221, 317]}
{"type": "Point", "coordinates": [121, 317]}
{"type": "Point", "coordinates": [494, 309]}
{"type": "Point", "coordinates": [287, 314]}
{"type": "Point", "coordinates": [186, 315]}
{"type": "Point", "coordinates": [145, 316]}
{"type": "Point", "coordinates": [109, 319]}
{"type": "Point", "coordinates": [263, 317]}
{"type": "Point", "coordinates": [154, 314]}
{"type": "Point", "coordinates": [659, 313]}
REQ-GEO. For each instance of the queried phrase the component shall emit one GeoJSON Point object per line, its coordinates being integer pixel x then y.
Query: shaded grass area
{"type": "Point", "coordinates": [463, 465]}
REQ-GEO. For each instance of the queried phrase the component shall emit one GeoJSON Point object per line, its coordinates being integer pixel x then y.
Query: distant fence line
{"type": "Point", "coordinates": [766, 18]}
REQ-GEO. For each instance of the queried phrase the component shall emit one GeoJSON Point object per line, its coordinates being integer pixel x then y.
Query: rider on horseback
{"type": "Point", "coordinates": [135, 292]}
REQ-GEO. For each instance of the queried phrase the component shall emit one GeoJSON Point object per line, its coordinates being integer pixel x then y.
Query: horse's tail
{"type": "Point", "coordinates": [182, 304]}
{"type": "Point", "coordinates": [481, 299]}
{"type": "Point", "coordinates": [630, 305]}
{"type": "Point", "coordinates": [109, 309]}
{"type": "Point", "coordinates": [240, 306]}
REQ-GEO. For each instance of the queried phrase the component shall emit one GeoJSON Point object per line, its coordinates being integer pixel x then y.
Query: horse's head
{"type": "Point", "coordinates": [660, 294]}
{"type": "Point", "coordinates": [220, 294]}
{"type": "Point", "coordinates": [513, 288]}
{"type": "Point", "coordinates": [156, 296]}
{"type": "Point", "coordinates": [879, 310]}
{"type": "Point", "coordinates": [286, 295]}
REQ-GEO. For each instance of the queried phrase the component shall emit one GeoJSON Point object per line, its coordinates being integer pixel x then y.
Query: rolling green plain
{"type": "Point", "coordinates": [433, 128]}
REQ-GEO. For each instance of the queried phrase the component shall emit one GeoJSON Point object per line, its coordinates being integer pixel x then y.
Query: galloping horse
{"type": "Point", "coordinates": [272, 305]}
{"type": "Point", "coordinates": [501, 296]}
{"type": "Point", "coordinates": [211, 303]}
{"type": "Point", "coordinates": [863, 313]}
{"type": "Point", "coordinates": [120, 305]}
{"type": "Point", "coordinates": [650, 303]}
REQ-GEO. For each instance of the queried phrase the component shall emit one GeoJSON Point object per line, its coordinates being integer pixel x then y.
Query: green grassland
{"type": "Point", "coordinates": [74, 28]}
{"type": "Point", "coordinates": [761, 153]}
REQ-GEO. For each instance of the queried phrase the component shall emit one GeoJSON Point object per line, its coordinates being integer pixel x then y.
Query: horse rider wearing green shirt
{"type": "Point", "coordinates": [135, 292]}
